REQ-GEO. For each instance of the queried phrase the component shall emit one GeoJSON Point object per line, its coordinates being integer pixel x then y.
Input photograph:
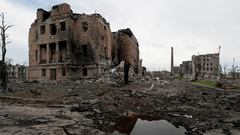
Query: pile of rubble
{"type": "Point", "coordinates": [88, 107]}
{"type": "Point", "coordinates": [228, 84]}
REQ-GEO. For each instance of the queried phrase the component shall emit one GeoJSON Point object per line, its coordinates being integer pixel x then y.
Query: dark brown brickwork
{"type": "Point", "coordinates": [126, 47]}
{"type": "Point", "coordinates": [66, 45]}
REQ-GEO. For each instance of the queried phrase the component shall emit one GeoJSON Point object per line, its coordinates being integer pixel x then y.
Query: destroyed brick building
{"type": "Point", "coordinates": [176, 70]}
{"type": "Point", "coordinates": [125, 48]}
{"type": "Point", "coordinates": [17, 72]}
{"type": "Point", "coordinates": [186, 69]}
{"type": "Point", "coordinates": [203, 66]}
{"type": "Point", "coordinates": [65, 45]}
{"type": "Point", "coordinates": [14, 72]}
{"type": "Point", "coordinates": [207, 65]}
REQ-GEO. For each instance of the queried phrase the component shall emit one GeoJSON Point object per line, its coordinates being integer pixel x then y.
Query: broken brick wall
{"type": "Point", "coordinates": [186, 69]}
{"type": "Point", "coordinates": [66, 45]}
{"type": "Point", "coordinates": [17, 72]}
{"type": "Point", "coordinates": [208, 65]}
{"type": "Point", "coordinates": [126, 48]}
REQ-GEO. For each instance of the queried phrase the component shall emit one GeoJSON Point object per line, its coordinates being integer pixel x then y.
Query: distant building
{"type": "Point", "coordinates": [17, 72]}
{"type": "Point", "coordinates": [176, 70]}
{"type": "Point", "coordinates": [186, 69]}
{"type": "Point", "coordinates": [160, 74]}
{"type": "Point", "coordinates": [204, 66]}
{"type": "Point", "coordinates": [207, 65]}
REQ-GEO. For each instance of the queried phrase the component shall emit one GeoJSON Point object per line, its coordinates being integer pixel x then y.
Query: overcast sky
{"type": "Point", "coordinates": [190, 26]}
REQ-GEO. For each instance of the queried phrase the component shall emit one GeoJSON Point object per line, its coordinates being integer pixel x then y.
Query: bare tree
{"type": "Point", "coordinates": [197, 66]}
{"type": "Point", "coordinates": [4, 27]}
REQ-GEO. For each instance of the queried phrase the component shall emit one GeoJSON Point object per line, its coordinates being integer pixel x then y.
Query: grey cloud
{"type": "Point", "coordinates": [191, 26]}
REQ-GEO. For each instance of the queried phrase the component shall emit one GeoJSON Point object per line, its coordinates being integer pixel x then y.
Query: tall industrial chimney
{"type": "Point", "coordinates": [171, 59]}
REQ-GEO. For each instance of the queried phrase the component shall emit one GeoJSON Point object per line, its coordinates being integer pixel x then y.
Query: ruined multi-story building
{"type": "Point", "coordinates": [14, 72]}
{"type": "Point", "coordinates": [17, 72]}
{"type": "Point", "coordinates": [126, 48]}
{"type": "Point", "coordinates": [201, 66]}
{"type": "Point", "coordinates": [206, 66]}
{"type": "Point", "coordinates": [186, 69]}
{"type": "Point", "coordinates": [176, 70]}
{"type": "Point", "coordinates": [66, 45]}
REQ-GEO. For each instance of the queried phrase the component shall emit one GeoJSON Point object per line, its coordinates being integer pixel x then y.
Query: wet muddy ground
{"type": "Point", "coordinates": [97, 108]}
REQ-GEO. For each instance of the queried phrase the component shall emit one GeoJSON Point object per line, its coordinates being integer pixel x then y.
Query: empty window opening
{"type": "Point", "coordinates": [36, 35]}
{"type": "Point", "coordinates": [42, 29]}
{"type": "Point", "coordinates": [53, 54]}
{"type": "Point", "coordinates": [43, 72]}
{"type": "Point", "coordinates": [211, 69]}
{"type": "Point", "coordinates": [53, 74]}
{"type": "Point", "coordinates": [63, 72]}
{"type": "Point", "coordinates": [53, 29]}
{"type": "Point", "coordinates": [85, 72]}
{"type": "Point", "coordinates": [62, 51]}
{"type": "Point", "coordinates": [73, 48]}
{"type": "Point", "coordinates": [63, 26]}
{"type": "Point", "coordinates": [43, 53]}
{"type": "Point", "coordinates": [36, 55]}
{"type": "Point", "coordinates": [84, 47]}
{"type": "Point", "coordinates": [85, 26]}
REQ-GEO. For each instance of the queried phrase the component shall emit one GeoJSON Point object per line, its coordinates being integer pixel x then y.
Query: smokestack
{"type": "Point", "coordinates": [171, 59]}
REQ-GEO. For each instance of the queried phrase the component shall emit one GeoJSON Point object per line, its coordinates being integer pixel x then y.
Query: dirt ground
{"type": "Point", "coordinates": [94, 108]}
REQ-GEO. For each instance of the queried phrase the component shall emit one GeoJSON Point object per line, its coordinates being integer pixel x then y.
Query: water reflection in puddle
{"type": "Point", "coordinates": [140, 126]}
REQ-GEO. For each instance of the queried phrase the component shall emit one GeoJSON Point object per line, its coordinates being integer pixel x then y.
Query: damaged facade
{"type": "Point", "coordinates": [176, 70]}
{"type": "Point", "coordinates": [186, 69]}
{"type": "Point", "coordinates": [14, 72]}
{"type": "Point", "coordinates": [203, 66]}
{"type": "Point", "coordinates": [207, 65]}
{"type": "Point", "coordinates": [126, 48]}
{"type": "Point", "coordinates": [17, 72]}
{"type": "Point", "coordinates": [65, 45]}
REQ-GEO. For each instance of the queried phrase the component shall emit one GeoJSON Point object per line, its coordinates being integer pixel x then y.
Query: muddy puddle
{"type": "Point", "coordinates": [145, 125]}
